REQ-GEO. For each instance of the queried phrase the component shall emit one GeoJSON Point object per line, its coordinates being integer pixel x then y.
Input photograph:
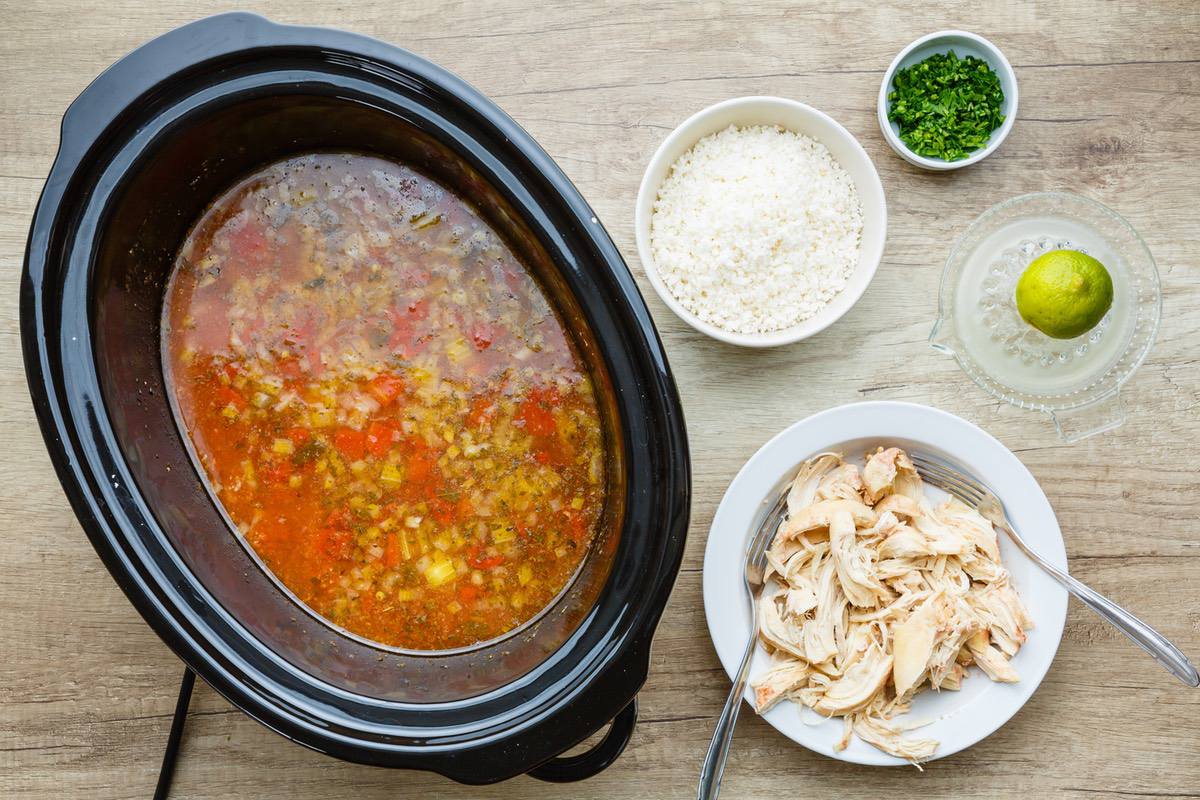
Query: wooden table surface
{"type": "Point", "coordinates": [1110, 96]}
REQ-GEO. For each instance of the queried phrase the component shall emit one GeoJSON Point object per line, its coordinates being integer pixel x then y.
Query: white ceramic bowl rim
{"type": "Point", "coordinates": [998, 62]}
{"type": "Point", "coordinates": [962, 718]}
{"type": "Point", "coordinates": [686, 135]}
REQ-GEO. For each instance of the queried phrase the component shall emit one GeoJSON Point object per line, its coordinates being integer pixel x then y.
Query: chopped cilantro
{"type": "Point", "coordinates": [946, 106]}
{"type": "Point", "coordinates": [309, 451]}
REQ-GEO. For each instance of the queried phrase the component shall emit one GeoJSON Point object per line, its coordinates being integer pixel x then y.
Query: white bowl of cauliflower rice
{"type": "Point", "coordinates": [760, 221]}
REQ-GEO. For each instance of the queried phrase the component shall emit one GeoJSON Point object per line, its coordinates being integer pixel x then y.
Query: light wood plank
{"type": "Point", "coordinates": [1109, 97]}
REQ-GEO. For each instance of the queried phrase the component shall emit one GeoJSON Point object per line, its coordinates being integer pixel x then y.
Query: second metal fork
{"type": "Point", "coordinates": [753, 570]}
{"type": "Point", "coordinates": [951, 479]}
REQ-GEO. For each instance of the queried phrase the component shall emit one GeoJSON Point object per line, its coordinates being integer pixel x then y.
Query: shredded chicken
{"type": "Point", "coordinates": [874, 594]}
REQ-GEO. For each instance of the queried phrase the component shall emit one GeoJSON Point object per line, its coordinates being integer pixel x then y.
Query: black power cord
{"type": "Point", "coordinates": [171, 754]}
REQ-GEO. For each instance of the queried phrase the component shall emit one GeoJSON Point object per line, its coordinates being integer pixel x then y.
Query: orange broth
{"type": "Point", "coordinates": [384, 401]}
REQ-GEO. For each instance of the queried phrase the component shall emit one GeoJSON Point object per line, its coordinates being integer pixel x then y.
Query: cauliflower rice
{"type": "Point", "coordinates": [756, 229]}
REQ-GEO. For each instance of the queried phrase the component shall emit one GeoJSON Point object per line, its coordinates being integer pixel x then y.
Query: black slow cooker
{"type": "Point", "coordinates": [144, 150]}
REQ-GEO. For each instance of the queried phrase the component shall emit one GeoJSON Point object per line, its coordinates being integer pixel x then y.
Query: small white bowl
{"type": "Point", "coordinates": [793, 116]}
{"type": "Point", "coordinates": [963, 44]}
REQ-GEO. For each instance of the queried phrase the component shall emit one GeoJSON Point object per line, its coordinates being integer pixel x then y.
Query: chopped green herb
{"type": "Point", "coordinates": [946, 106]}
{"type": "Point", "coordinates": [309, 451]}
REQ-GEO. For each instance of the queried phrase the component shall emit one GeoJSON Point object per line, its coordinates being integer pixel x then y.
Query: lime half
{"type": "Point", "coordinates": [1064, 293]}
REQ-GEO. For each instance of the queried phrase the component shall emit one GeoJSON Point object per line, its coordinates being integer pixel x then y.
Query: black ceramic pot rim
{"type": "Point", "coordinates": [63, 382]}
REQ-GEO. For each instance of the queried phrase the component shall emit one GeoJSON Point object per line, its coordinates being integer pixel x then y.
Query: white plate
{"type": "Point", "coordinates": [960, 719]}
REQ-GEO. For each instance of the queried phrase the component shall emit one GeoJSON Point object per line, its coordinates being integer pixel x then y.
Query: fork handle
{"type": "Point", "coordinates": [1138, 632]}
{"type": "Point", "coordinates": [718, 751]}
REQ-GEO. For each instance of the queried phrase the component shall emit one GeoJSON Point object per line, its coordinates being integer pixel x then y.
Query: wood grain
{"type": "Point", "coordinates": [1109, 97]}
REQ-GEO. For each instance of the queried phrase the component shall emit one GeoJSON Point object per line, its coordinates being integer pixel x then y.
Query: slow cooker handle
{"type": "Point", "coordinates": [123, 83]}
{"type": "Point", "coordinates": [566, 769]}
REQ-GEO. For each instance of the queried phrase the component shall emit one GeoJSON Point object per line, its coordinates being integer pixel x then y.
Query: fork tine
{"type": "Point", "coordinates": [949, 480]}
{"type": "Point", "coordinates": [955, 490]}
{"type": "Point", "coordinates": [949, 469]}
{"type": "Point", "coordinates": [930, 461]}
{"type": "Point", "coordinates": [936, 466]}
{"type": "Point", "coordinates": [756, 550]}
{"type": "Point", "coordinates": [764, 530]}
{"type": "Point", "coordinates": [955, 487]}
{"type": "Point", "coordinates": [947, 474]}
{"type": "Point", "coordinates": [771, 524]}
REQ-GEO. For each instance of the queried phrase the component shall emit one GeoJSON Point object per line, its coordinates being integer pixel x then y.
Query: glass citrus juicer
{"type": "Point", "coordinates": [1076, 381]}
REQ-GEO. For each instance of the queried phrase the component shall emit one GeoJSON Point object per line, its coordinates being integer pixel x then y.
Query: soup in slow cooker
{"type": "Point", "coordinates": [384, 402]}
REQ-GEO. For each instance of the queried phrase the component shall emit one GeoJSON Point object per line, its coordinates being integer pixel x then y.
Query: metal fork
{"type": "Point", "coordinates": [950, 479]}
{"type": "Point", "coordinates": [753, 571]}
